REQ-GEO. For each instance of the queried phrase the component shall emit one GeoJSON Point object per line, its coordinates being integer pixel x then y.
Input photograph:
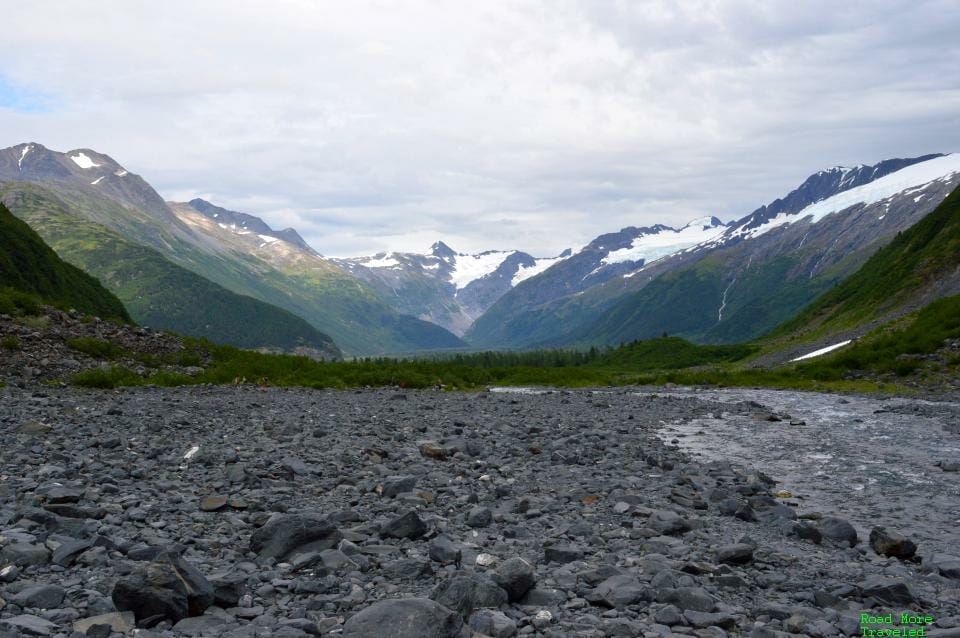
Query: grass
{"type": "Point", "coordinates": [10, 342]}
{"type": "Point", "coordinates": [97, 348]}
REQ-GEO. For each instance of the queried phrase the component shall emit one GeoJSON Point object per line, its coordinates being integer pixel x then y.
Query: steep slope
{"type": "Point", "coordinates": [28, 264]}
{"type": "Point", "coordinates": [517, 319]}
{"type": "Point", "coordinates": [445, 287]}
{"type": "Point", "coordinates": [288, 274]}
{"type": "Point", "coordinates": [157, 292]}
{"type": "Point", "coordinates": [756, 273]}
{"type": "Point", "coordinates": [919, 266]}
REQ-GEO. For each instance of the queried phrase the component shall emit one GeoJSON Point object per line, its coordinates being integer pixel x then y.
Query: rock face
{"type": "Point", "coordinates": [168, 587]}
{"type": "Point", "coordinates": [406, 618]}
{"type": "Point", "coordinates": [336, 524]}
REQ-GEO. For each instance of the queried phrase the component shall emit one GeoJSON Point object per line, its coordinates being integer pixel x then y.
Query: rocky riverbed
{"type": "Point", "coordinates": [240, 511]}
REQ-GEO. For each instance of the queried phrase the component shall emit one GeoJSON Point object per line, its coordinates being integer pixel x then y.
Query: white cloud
{"type": "Point", "coordinates": [535, 125]}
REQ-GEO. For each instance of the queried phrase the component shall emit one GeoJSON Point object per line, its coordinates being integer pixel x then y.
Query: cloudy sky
{"type": "Point", "coordinates": [385, 125]}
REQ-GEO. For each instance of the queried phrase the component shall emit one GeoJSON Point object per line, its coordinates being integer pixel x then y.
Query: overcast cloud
{"type": "Point", "coordinates": [382, 125]}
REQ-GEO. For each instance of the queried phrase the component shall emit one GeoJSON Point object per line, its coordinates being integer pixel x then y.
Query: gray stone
{"type": "Point", "coordinates": [467, 593]}
{"type": "Point", "coordinates": [24, 555]}
{"type": "Point", "coordinates": [27, 625]}
{"type": "Point", "coordinates": [668, 523]}
{"type": "Point", "coordinates": [121, 622]}
{"type": "Point", "coordinates": [562, 553]}
{"type": "Point", "coordinates": [169, 587]}
{"type": "Point", "coordinates": [620, 591]}
{"type": "Point", "coordinates": [838, 530]}
{"type": "Point", "coordinates": [67, 552]}
{"type": "Point", "coordinates": [40, 597]}
{"type": "Point", "coordinates": [393, 485]}
{"type": "Point", "coordinates": [736, 554]}
{"type": "Point", "coordinates": [887, 591]}
{"type": "Point", "coordinates": [404, 618]}
{"type": "Point", "coordinates": [516, 577]}
{"type": "Point", "coordinates": [283, 534]}
{"type": "Point", "coordinates": [479, 517]}
{"type": "Point", "coordinates": [685, 598]}
{"type": "Point", "coordinates": [408, 525]}
{"type": "Point", "coordinates": [444, 551]}
{"type": "Point", "coordinates": [493, 623]}
{"type": "Point", "coordinates": [199, 625]}
{"type": "Point", "coordinates": [891, 544]}
{"type": "Point", "coordinates": [704, 619]}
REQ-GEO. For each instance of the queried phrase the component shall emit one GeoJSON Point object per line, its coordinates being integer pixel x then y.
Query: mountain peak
{"type": "Point", "coordinates": [440, 249]}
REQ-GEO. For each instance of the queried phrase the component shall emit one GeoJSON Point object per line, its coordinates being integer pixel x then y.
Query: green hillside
{"type": "Point", "coordinates": [28, 264]}
{"type": "Point", "coordinates": [160, 294]}
{"type": "Point", "coordinates": [896, 275]}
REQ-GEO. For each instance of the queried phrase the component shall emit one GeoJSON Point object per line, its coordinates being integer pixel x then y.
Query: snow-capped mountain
{"type": "Point", "coordinates": [244, 223]}
{"type": "Point", "coordinates": [742, 280]}
{"type": "Point", "coordinates": [443, 286]}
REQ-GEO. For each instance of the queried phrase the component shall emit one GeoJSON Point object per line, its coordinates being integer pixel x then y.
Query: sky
{"type": "Point", "coordinates": [376, 126]}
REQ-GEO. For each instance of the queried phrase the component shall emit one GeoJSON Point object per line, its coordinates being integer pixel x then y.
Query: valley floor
{"type": "Point", "coordinates": [635, 513]}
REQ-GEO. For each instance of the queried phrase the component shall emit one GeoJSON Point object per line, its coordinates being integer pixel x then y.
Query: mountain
{"type": "Point", "coordinates": [285, 273]}
{"type": "Point", "coordinates": [756, 273]}
{"type": "Point", "coordinates": [157, 292]}
{"type": "Point", "coordinates": [445, 287]}
{"type": "Point", "coordinates": [517, 320]}
{"type": "Point", "coordinates": [29, 265]}
{"type": "Point", "coordinates": [918, 267]}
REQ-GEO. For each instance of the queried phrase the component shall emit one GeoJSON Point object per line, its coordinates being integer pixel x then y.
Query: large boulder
{"type": "Point", "coordinates": [408, 525]}
{"type": "Point", "coordinates": [516, 577]}
{"type": "Point", "coordinates": [467, 593]}
{"type": "Point", "coordinates": [838, 530]}
{"type": "Point", "coordinates": [169, 587]}
{"type": "Point", "coordinates": [285, 534]}
{"type": "Point", "coordinates": [404, 618]}
{"type": "Point", "coordinates": [891, 544]}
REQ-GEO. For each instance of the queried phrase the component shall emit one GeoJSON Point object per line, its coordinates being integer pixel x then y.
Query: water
{"type": "Point", "coordinates": [848, 460]}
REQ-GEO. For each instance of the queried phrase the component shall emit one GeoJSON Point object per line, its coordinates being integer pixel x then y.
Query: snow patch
{"type": "Point", "coordinates": [268, 239]}
{"type": "Point", "coordinates": [468, 268]}
{"type": "Point", "coordinates": [97, 181]}
{"type": "Point", "coordinates": [83, 161]}
{"type": "Point", "coordinates": [817, 353]}
{"type": "Point", "coordinates": [666, 242]}
{"type": "Point", "coordinates": [526, 272]}
{"type": "Point", "coordinates": [381, 261]}
{"type": "Point", "coordinates": [120, 172]}
{"type": "Point", "coordinates": [23, 153]}
{"type": "Point", "coordinates": [191, 452]}
{"type": "Point", "coordinates": [912, 177]}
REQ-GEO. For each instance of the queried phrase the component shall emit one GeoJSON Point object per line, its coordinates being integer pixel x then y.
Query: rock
{"type": "Point", "coordinates": [467, 593]}
{"type": "Point", "coordinates": [67, 552]}
{"type": "Point", "coordinates": [169, 587]}
{"type": "Point", "coordinates": [479, 517]}
{"type": "Point", "coordinates": [516, 577]}
{"type": "Point", "coordinates": [838, 530]}
{"type": "Point", "coordinates": [24, 555]}
{"type": "Point", "coordinates": [686, 598]}
{"type": "Point", "coordinates": [946, 565]}
{"type": "Point", "coordinates": [887, 591]}
{"type": "Point", "coordinates": [34, 427]}
{"type": "Point", "coordinates": [284, 534]}
{"type": "Point", "coordinates": [620, 591]}
{"type": "Point", "coordinates": [9, 574]}
{"type": "Point", "coordinates": [444, 551]}
{"type": "Point", "coordinates": [27, 625]}
{"type": "Point", "coordinates": [59, 494]}
{"type": "Point", "coordinates": [122, 622]}
{"type": "Point", "coordinates": [199, 625]}
{"type": "Point", "coordinates": [668, 615]}
{"type": "Point", "coordinates": [404, 618]}
{"type": "Point", "coordinates": [213, 503]}
{"type": "Point", "coordinates": [737, 554]}
{"type": "Point", "coordinates": [393, 485]}
{"type": "Point", "coordinates": [704, 619]}
{"type": "Point", "coordinates": [40, 597]}
{"type": "Point", "coordinates": [668, 523]}
{"type": "Point", "coordinates": [891, 544]}
{"type": "Point", "coordinates": [408, 525]}
{"type": "Point", "coordinates": [433, 451]}
{"type": "Point", "coordinates": [562, 554]}
{"type": "Point", "coordinates": [493, 623]}
{"type": "Point", "coordinates": [227, 588]}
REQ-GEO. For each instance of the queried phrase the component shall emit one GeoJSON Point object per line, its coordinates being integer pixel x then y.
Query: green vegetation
{"type": "Point", "coordinates": [898, 273]}
{"type": "Point", "coordinates": [17, 302]}
{"type": "Point", "coordinates": [98, 348]}
{"type": "Point", "coordinates": [29, 265]}
{"type": "Point", "coordinates": [157, 292]}
{"type": "Point", "coordinates": [10, 342]}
